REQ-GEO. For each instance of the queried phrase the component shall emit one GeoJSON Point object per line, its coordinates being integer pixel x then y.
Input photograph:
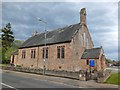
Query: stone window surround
{"type": "Point", "coordinates": [45, 53]}
{"type": "Point", "coordinates": [23, 54]}
{"type": "Point", "coordinates": [61, 53]}
{"type": "Point", "coordinates": [33, 53]}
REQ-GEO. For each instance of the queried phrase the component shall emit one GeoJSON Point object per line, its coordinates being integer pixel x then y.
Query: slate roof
{"type": "Point", "coordinates": [15, 53]}
{"type": "Point", "coordinates": [93, 53]}
{"type": "Point", "coordinates": [56, 36]}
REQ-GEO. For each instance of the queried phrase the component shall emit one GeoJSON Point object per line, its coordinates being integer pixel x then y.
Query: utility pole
{"type": "Point", "coordinates": [39, 19]}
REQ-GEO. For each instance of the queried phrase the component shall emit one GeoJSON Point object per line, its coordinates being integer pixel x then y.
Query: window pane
{"type": "Point", "coordinates": [63, 53]}
{"type": "Point", "coordinates": [23, 53]}
{"type": "Point", "coordinates": [47, 53]}
{"type": "Point", "coordinates": [58, 52]}
{"type": "Point", "coordinates": [34, 54]}
{"type": "Point", "coordinates": [43, 53]}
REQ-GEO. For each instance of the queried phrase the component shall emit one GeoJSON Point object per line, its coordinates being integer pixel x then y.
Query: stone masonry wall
{"type": "Point", "coordinates": [52, 63]}
{"type": "Point", "coordinates": [73, 53]}
{"type": "Point", "coordinates": [78, 48]}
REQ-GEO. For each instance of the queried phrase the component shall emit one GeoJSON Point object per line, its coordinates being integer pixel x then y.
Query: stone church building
{"type": "Point", "coordinates": [69, 48]}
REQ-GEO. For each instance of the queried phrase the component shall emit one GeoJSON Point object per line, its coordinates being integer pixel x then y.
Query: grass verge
{"type": "Point", "coordinates": [114, 79]}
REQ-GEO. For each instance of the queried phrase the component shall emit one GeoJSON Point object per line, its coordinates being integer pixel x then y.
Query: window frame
{"type": "Point", "coordinates": [33, 53]}
{"type": "Point", "coordinates": [62, 52]}
{"type": "Point", "coordinates": [58, 52]}
{"type": "Point", "coordinates": [45, 53]}
{"type": "Point", "coordinates": [23, 54]}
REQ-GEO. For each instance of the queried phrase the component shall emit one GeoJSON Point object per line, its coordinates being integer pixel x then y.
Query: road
{"type": "Point", "coordinates": [114, 69]}
{"type": "Point", "coordinates": [18, 80]}
{"type": "Point", "coordinates": [11, 80]}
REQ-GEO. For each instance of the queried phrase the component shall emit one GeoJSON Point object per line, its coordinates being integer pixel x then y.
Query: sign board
{"type": "Point", "coordinates": [92, 63]}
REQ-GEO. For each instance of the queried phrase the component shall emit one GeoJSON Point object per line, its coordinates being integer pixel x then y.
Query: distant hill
{"type": "Point", "coordinates": [17, 43]}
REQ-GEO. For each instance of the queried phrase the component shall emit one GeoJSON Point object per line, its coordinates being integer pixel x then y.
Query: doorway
{"type": "Point", "coordinates": [13, 59]}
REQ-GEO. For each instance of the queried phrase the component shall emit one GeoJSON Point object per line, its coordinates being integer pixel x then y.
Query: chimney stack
{"type": "Point", "coordinates": [83, 16]}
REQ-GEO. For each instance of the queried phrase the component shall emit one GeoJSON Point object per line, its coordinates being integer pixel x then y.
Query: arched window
{"type": "Point", "coordinates": [80, 39]}
{"type": "Point", "coordinates": [84, 39]}
{"type": "Point", "coordinates": [87, 43]}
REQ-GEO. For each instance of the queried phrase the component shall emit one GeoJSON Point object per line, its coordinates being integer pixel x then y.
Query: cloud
{"type": "Point", "coordinates": [101, 20]}
{"type": "Point", "coordinates": [60, 1]}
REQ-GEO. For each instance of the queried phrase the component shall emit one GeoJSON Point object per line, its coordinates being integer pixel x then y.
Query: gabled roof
{"type": "Point", "coordinates": [60, 35]}
{"type": "Point", "coordinates": [93, 53]}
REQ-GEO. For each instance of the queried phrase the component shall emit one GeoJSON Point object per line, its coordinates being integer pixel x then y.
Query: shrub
{"type": "Point", "coordinates": [18, 66]}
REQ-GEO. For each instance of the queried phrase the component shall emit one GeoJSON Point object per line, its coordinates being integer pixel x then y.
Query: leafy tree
{"type": "Point", "coordinates": [7, 42]}
{"type": "Point", "coordinates": [15, 46]}
{"type": "Point", "coordinates": [8, 54]}
{"type": "Point", "coordinates": [108, 61]}
{"type": "Point", "coordinates": [17, 43]}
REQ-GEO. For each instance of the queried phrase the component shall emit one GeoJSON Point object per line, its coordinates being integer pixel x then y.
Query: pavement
{"type": "Point", "coordinates": [13, 79]}
{"type": "Point", "coordinates": [113, 69]}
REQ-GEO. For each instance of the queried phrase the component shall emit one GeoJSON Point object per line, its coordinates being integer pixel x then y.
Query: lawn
{"type": "Point", "coordinates": [114, 79]}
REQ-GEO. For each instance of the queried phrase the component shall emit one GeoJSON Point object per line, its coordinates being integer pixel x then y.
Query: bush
{"type": "Point", "coordinates": [100, 74]}
{"type": "Point", "coordinates": [5, 61]}
{"type": "Point", "coordinates": [18, 66]}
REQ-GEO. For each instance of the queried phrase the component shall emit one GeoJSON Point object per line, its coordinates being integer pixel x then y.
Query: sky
{"type": "Point", "coordinates": [102, 20]}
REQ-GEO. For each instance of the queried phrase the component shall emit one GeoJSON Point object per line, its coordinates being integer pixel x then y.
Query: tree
{"type": "Point", "coordinates": [17, 43]}
{"type": "Point", "coordinates": [7, 36]}
{"type": "Point", "coordinates": [7, 41]}
{"type": "Point", "coordinates": [108, 61]}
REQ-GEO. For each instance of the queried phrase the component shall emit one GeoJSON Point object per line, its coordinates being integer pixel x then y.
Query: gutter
{"type": "Point", "coordinates": [46, 44]}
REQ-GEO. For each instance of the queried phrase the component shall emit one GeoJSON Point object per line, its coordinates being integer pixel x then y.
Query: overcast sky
{"type": "Point", "coordinates": [102, 20]}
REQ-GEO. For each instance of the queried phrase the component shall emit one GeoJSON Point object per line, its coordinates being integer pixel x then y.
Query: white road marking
{"type": "Point", "coordinates": [9, 86]}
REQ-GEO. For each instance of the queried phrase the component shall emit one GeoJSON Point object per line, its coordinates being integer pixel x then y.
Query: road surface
{"type": "Point", "coordinates": [113, 69]}
{"type": "Point", "coordinates": [19, 80]}
{"type": "Point", "coordinates": [11, 80]}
